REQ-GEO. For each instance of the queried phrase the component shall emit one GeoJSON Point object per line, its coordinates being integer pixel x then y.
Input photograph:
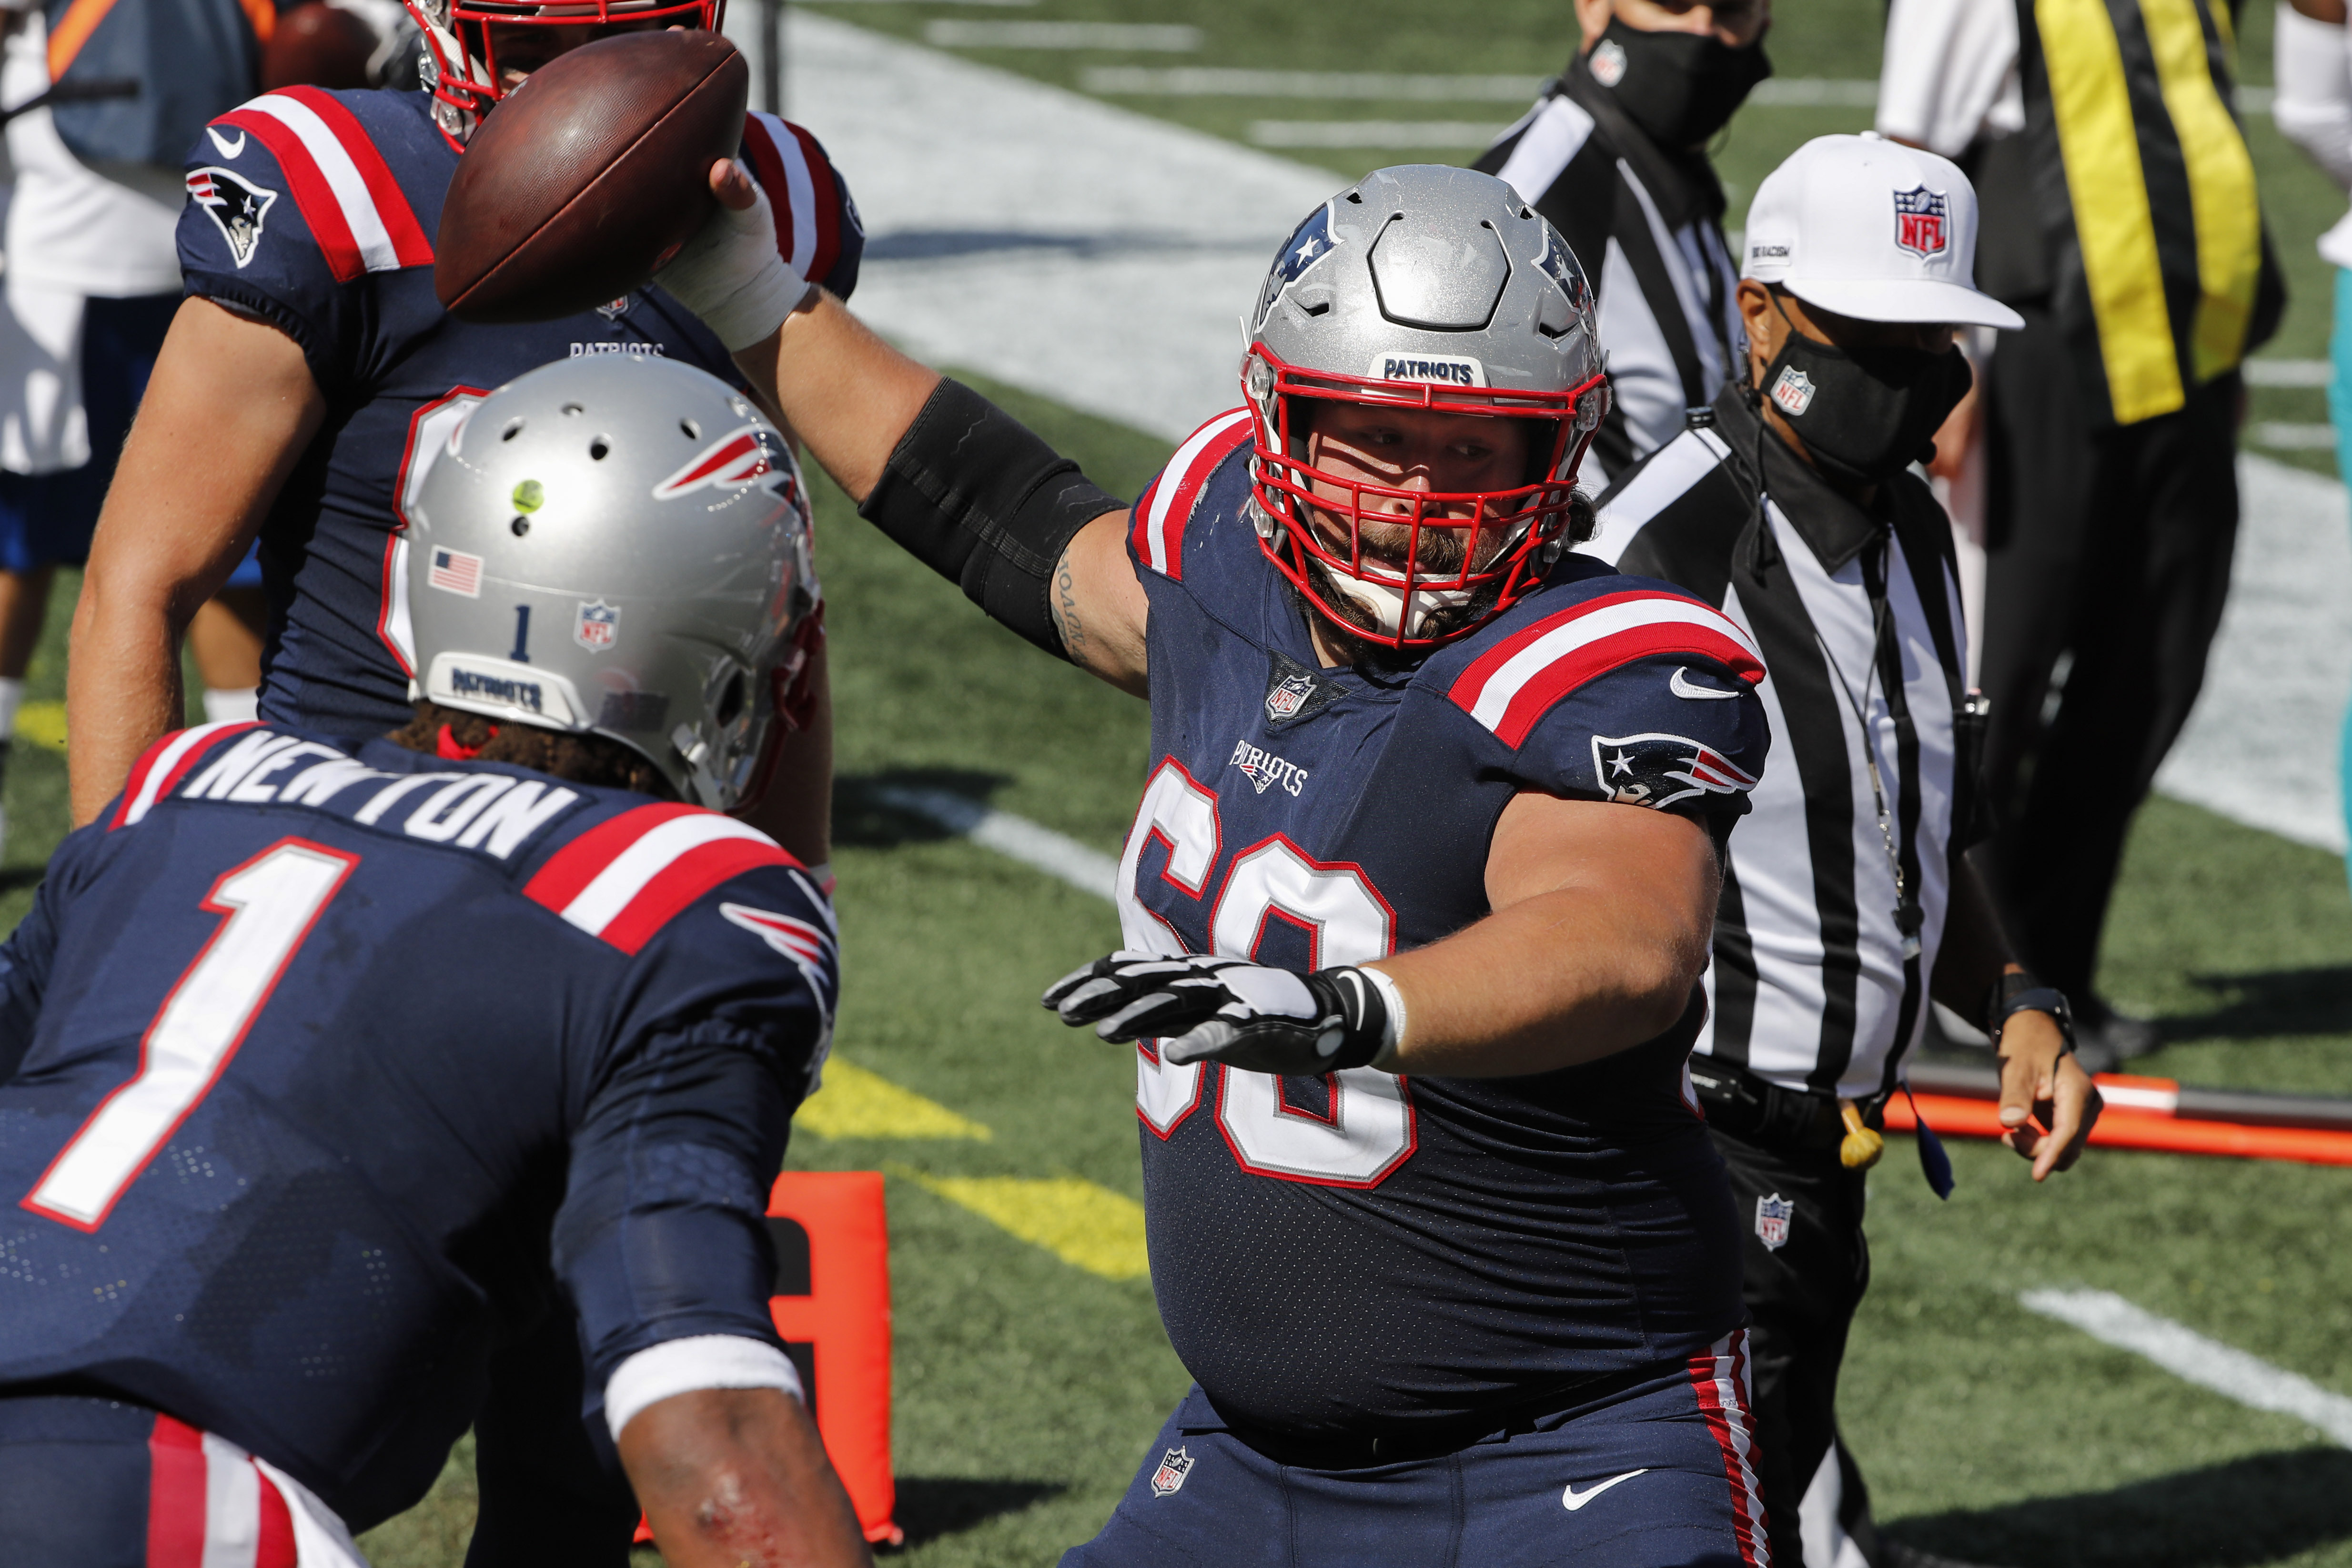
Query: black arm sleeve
{"type": "Point", "coordinates": [975, 495]}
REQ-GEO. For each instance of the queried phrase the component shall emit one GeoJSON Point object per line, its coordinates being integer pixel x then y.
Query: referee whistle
{"type": "Point", "coordinates": [1861, 1147]}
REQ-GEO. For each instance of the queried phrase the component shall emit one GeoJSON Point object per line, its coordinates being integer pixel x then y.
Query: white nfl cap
{"type": "Point", "coordinates": [1872, 229]}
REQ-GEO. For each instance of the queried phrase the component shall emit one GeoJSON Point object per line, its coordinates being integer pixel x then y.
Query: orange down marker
{"type": "Point", "coordinates": [832, 1309]}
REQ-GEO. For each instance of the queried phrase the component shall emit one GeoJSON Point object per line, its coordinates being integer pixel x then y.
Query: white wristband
{"type": "Point", "coordinates": [731, 275]}
{"type": "Point", "coordinates": [682, 1366]}
{"type": "Point", "coordinates": [1392, 1036]}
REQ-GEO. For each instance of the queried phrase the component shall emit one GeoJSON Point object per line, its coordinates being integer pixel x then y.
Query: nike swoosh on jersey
{"type": "Point", "coordinates": [221, 141]}
{"type": "Point", "coordinates": [1571, 1500]}
{"type": "Point", "coordinates": [1682, 685]}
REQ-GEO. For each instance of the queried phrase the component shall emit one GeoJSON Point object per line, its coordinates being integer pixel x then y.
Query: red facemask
{"type": "Point", "coordinates": [1394, 599]}
{"type": "Point", "coordinates": [465, 51]}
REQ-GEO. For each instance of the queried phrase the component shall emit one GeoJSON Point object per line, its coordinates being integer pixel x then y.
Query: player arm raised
{"type": "Point", "coordinates": [228, 411]}
{"type": "Point", "coordinates": [956, 482]}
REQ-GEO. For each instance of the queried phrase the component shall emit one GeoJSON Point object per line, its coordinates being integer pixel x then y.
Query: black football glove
{"type": "Point", "coordinates": [1225, 1009]}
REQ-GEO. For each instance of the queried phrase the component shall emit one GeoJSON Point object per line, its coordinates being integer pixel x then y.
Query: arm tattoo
{"type": "Point", "coordinates": [1065, 609]}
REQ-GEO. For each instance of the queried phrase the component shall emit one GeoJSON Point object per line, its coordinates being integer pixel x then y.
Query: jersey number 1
{"type": "Point", "coordinates": [1365, 1129]}
{"type": "Point", "coordinates": [272, 901]}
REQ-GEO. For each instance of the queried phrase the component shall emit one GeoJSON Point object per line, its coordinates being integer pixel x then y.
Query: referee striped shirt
{"type": "Point", "coordinates": [1646, 224]}
{"type": "Point", "coordinates": [1858, 617]}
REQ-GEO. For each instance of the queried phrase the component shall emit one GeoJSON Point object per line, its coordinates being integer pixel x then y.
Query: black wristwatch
{"type": "Point", "coordinates": [2023, 993]}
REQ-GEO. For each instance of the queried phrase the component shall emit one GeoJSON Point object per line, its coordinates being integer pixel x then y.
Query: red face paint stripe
{"type": "Point", "coordinates": [408, 242]}
{"type": "Point", "coordinates": [311, 193]}
{"type": "Point", "coordinates": [572, 868]}
{"type": "Point", "coordinates": [1595, 659]}
{"type": "Point", "coordinates": [681, 882]}
{"type": "Point", "coordinates": [827, 204]}
{"type": "Point", "coordinates": [176, 1495]}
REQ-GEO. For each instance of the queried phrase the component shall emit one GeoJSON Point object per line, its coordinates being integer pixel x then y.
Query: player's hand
{"type": "Point", "coordinates": [1223, 1009]}
{"type": "Point", "coordinates": [731, 273]}
{"type": "Point", "coordinates": [2041, 1082]}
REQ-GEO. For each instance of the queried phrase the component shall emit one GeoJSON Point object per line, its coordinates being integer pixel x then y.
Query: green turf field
{"type": "Point", "coordinates": [1032, 1372]}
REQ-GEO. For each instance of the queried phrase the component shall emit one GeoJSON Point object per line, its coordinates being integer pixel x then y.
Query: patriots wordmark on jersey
{"type": "Point", "coordinates": [1358, 1251]}
{"type": "Point", "coordinates": [312, 210]}
{"type": "Point", "coordinates": [323, 1064]}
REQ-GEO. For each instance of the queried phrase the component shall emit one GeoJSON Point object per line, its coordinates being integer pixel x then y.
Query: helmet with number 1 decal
{"type": "Point", "coordinates": [619, 546]}
{"type": "Point", "coordinates": [1420, 287]}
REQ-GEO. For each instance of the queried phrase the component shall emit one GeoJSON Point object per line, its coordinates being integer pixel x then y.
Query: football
{"type": "Point", "coordinates": [318, 46]}
{"type": "Point", "coordinates": [589, 176]}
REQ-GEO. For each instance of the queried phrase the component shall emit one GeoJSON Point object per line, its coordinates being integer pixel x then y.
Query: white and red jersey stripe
{"type": "Point", "coordinates": [1158, 539]}
{"type": "Point", "coordinates": [1511, 685]}
{"type": "Point", "coordinates": [210, 1504]}
{"type": "Point", "coordinates": [625, 878]}
{"type": "Point", "coordinates": [354, 207]}
{"type": "Point", "coordinates": [798, 177]}
{"type": "Point", "coordinates": [1719, 1377]}
{"type": "Point", "coordinates": [163, 765]}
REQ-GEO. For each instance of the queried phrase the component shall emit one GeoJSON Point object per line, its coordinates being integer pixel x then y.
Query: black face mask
{"type": "Point", "coordinates": [1679, 87]}
{"type": "Point", "coordinates": [1865, 414]}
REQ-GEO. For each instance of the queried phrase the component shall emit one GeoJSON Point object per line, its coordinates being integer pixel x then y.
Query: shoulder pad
{"type": "Point", "coordinates": [1513, 684]}
{"type": "Point", "coordinates": [1167, 504]}
{"type": "Point", "coordinates": [354, 207]}
{"type": "Point", "coordinates": [165, 764]}
{"type": "Point", "coordinates": [801, 187]}
{"type": "Point", "coordinates": [625, 879]}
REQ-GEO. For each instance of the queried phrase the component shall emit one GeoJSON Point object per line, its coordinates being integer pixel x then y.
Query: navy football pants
{"type": "Point", "coordinates": [1656, 1476]}
{"type": "Point", "coordinates": [92, 1483]}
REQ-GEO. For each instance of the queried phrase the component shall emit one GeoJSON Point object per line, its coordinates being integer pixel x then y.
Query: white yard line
{"type": "Point", "coordinates": [1374, 133]}
{"type": "Point", "coordinates": [1088, 870]}
{"type": "Point", "coordinates": [1101, 258]}
{"type": "Point", "coordinates": [1151, 38]}
{"type": "Point", "coordinates": [2188, 1354]}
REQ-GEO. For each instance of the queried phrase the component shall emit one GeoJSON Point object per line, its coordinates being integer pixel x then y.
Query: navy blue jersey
{"type": "Point", "coordinates": [326, 1067]}
{"type": "Point", "coordinates": [314, 211]}
{"type": "Point", "coordinates": [1358, 1250]}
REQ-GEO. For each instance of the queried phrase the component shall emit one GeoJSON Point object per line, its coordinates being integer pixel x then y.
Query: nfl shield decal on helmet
{"type": "Point", "coordinates": [1792, 393]}
{"type": "Point", "coordinates": [1659, 770]}
{"type": "Point", "coordinates": [596, 626]}
{"type": "Point", "coordinates": [1169, 1478]}
{"type": "Point", "coordinates": [1920, 226]}
{"type": "Point", "coordinates": [1772, 1217]}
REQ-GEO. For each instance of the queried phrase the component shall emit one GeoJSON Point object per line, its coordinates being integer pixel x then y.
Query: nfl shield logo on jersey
{"type": "Point", "coordinates": [1772, 1217]}
{"type": "Point", "coordinates": [1288, 696]}
{"type": "Point", "coordinates": [597, 624]}
{"type": "Point", "coordinates": [1169, 1478]}
{"type": "Point", "coordinates": [1919, 226]}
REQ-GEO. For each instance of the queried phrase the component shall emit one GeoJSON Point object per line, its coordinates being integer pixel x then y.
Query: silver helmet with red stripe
{"type": "Point", "coordinates": [1423, 291]}
{"type": "Point", "coordinates": [619, 544]}
{"type": "Point", "coordinates": [476, 50]}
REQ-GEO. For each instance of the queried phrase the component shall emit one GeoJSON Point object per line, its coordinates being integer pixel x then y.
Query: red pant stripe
{"type": "Point", "coordinates": [276, 1547]}
{"type": "Point", "coordinates": [175, 1496]}
{"type": "Point", "coordinates": [1719, 1379]}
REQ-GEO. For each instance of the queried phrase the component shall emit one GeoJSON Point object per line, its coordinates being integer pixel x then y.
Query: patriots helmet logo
{"type": "Point", "coordinates": [732, 461]}
{"type": "Point", "coordinates": [1659, 770]}
{"type": "Point", "coordinates": [1302, 250]}
{"type": "Point", "coordinates": [1921, 224]}
{"type": "Point", "coordinates": [235, 205]}
{"type": "Point", "coordinates": [1561, 266]}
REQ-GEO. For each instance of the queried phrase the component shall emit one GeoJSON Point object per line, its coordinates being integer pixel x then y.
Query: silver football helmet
{"type": "Point", "coordinates": [616, 544]}
{"type": "Point", "coordinates": [1420, 287]}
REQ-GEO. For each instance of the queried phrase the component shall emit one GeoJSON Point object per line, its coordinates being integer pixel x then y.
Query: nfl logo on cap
{"type": "Point", "coordinates": [1919, 221]}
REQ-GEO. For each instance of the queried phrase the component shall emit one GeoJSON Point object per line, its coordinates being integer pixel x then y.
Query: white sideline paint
{"type": "Point", "coordinates": [1088, 870]}
{"type": "Point", "coordinates": [2288, 373]}
{"type": "Point", "coordinates": [2188, 1354]}
{"type": "Point", "coordinates": [1374, 133]}
{"type": "Point", "coordinates": [1168, 38]}
{"type": "Point", "coordinates": [1101, 258]}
